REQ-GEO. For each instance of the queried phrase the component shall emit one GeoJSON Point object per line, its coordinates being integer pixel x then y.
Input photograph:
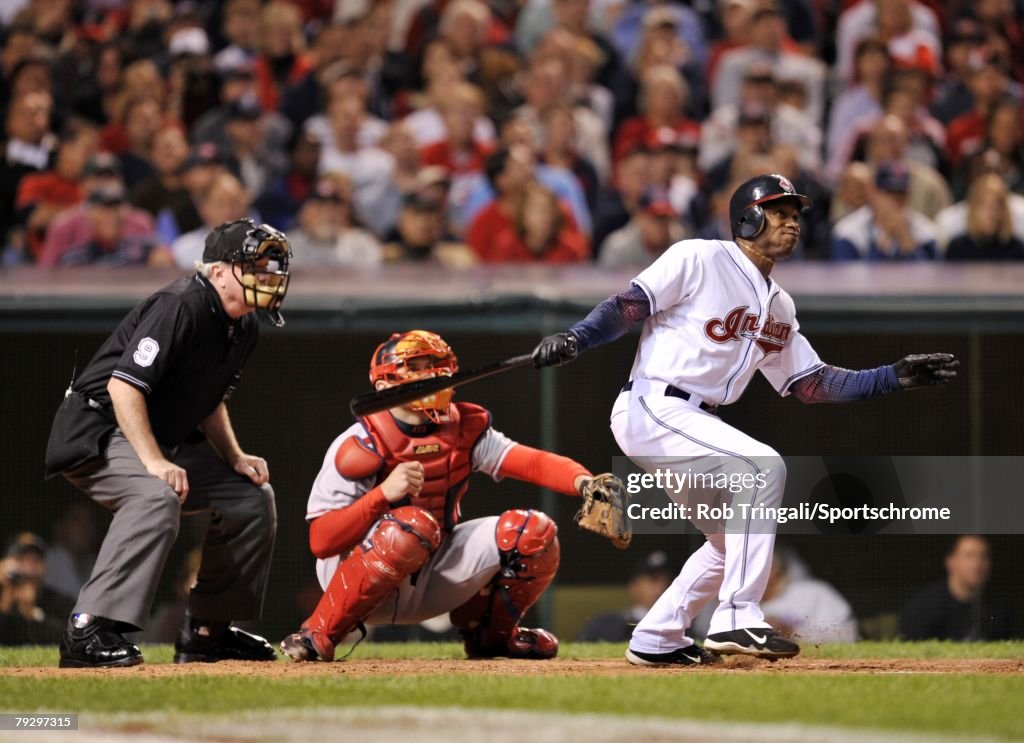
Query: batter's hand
{"type": "Point", "coordinates": [255, 468]}
{"type": "Point", "coordinates": [172, 474]}
{"type": "Point", "coordinates": [405, 479]}
{"type": "Point", "coordinates": [556, 350]}
{"type": "Point", "coordinates": [926, 369]}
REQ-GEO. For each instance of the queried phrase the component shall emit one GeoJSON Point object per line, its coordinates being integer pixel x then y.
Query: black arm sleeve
{"type": "Point", "coordinates": [835, 384]}
{"type": "Point", "coordinates": [612, 318]}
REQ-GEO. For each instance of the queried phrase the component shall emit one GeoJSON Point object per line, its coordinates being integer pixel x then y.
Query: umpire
{"type": "Point", "coordinates": [145, 433]}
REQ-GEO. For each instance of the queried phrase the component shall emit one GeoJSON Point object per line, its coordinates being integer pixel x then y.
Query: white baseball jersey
{"type": "Point", "coordinates": [714, 321]}
{"type": "Point", "coordinates": [331, 491]}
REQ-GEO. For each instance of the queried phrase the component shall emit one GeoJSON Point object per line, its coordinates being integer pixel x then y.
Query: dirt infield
{"type": "Point", "coordinates": [358, 668]}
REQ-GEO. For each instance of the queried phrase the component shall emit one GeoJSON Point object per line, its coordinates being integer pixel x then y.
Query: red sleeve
{"type": "Point", "coordinates": [336, 532]}
{"type": "Point", "coordinates": [543, 468]}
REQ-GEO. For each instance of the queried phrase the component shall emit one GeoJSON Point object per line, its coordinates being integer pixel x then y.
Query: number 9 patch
{"type": "Point", "coordinates": [146, 352]}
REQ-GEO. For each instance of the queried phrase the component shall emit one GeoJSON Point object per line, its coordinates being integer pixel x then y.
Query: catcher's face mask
{"type": "Point", "coordinates": [261, 267]}
{"type": "Point", "coordinates": [417, 354]}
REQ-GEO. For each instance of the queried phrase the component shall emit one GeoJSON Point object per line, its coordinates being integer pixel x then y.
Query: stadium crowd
{"type": "Point", "coordinates": [462, 132]}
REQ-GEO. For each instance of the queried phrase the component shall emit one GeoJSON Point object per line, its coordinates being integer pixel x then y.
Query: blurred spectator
{"type": "Point", "coordinates": [440, 72]}
{"type": "Point", "coordinates": [28, 146]}
{"type": "Point", "coordinates": [72, 550]}
{"type": "Point", "coordinates": [326, 234]}
{"type": "Point", "coordinates": [139, 80]}
{"type": "Point", "coordinates": [753, 137]}
{"type": "Point", "coordinates": [240, 27]}
{"type": "Point", "coordinates": [958, 608]}
{"type": "Point", "coordinates": [23, 621]}
{"type": "Point", "coordinates": [41, 196]}
{"type": "Point", "coordinates": [458, 151]}
{"type": "Point", "coordinates": [305, 98]}
{"type": "Point", "coordinates": [1004, 30]}
{"type": "Point", "coordinates": [909, 28]}
{"type": "Point", "coordinates": [789, 125]}
{"type": "Point", "coordinates": [853, 191]}
{"type": "Point", "coordinates": [164, 194]}
{"type": "Point", "coordinates": [804, 607]}
{"type": "Point", "coordinates": [593, 66]}
{"type": "Point", "coordinates": [736, 19]}
{"type": "Point", "coordinates": [925, 137]}
{"type": "Point", "coordinates": [560, 151]}
{"type": "Point", "coordinates": [237, 82]}
{"type": "Point", "coordinates": [96, 86]}
{"type": "Point", "coordinates": [141, 118]}
{"type": "Point", "coordinates": [420, 235]}
{"type": "Point", "coordinates": [638, 16]}
{"type": "Point", "coordinates": [661, 102]}
{"type": "Point", "coordinates": [952, 221]}
{"type": "Point", "coordinates": [886, 229]}
{"type": "Point", "coordinates": [989, 232]}
{"type": "Point", "coordinates": [279, 205]}
{"type": "Point", "coordinates": [248, 156]}
{"type": "Point", "coordinates": [953, 98]}
{"type": "Point", "coordinates": [369, 168]}
{"type": "Point", "coordinates": [282, 57]}
{"type": "Point", "coordinates": [858, 105]}
{"type": "Point", "coordinates": [518, 135]}
{"type": "Point", "coordinates": [654, 227]}
{"type": "Point", "coordinates": [673, 170]}
{"type": "Point", "coordinates": [889, 141]}
{"type": "Point", "coordinates": [649, 580]}
{"type": "Point", "coordinates": [1000, 151]}
{"type": "Point", "coordinates": [768, 46]}
{"type": "Point", "coordinates": [225, 200]}
{"type": "Point", "coordinates": [616, 204]}
{"type": "Point", "coordinates": [546, 84]}
{"type": "Point", "coordinates": [988, 83]}
{"type": "Point", "coordinates": [104, 231]}
{"type": "Point", "coordinates": [400, 143]}
{"type": "Point", "coordinates": [542, 232]}
{"type": "Point", "coordinates": [474, 37]}
{"type": "Point", "coordinates": [343, 82]}
{"type": "Point", "coordinates": [192, 84]}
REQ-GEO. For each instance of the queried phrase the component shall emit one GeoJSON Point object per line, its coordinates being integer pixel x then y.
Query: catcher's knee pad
{"type": "Point", "coordinates": [400, 543]}
{"type": "Point", "coordinates": [529, 551]}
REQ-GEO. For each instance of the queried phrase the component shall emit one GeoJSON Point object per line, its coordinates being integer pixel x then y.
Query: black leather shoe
{"type": "Point", "coordinates": [97, 645]}
{"type": "Point", "coordinates": [195, 646]}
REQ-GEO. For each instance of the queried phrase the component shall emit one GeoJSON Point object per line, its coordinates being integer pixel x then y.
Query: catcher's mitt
{"type": "Point", "coordinates": [604, 509]}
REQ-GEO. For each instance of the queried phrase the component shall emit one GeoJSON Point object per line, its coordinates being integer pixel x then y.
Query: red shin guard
{"type": "Point", "coordinates": [399, 545]}
{"type": "Point", "coordinates": [489, 621]}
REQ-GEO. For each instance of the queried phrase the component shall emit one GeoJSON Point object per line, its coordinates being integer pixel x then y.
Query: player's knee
{"type": "Point", "coordinates": [717, 541]}
{"type": "Point", "coordinates": [405, 538]}
{"type": "Point", "coordinates": [163, 511]}
{"type": "Point", "coordinates": [526, 532]}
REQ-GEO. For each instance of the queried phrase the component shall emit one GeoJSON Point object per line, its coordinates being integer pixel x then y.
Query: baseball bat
{"type": "Point", "coordinates": [392, 397]}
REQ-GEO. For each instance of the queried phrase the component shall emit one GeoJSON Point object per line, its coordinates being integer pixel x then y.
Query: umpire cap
{"type": "Point", "coordinates": [746, 217]}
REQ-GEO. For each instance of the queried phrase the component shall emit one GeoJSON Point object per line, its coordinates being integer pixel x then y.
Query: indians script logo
{"type": "Point", "coordinates": [427, 449]}
{"type": "Point", "coordinates": [771, 337]}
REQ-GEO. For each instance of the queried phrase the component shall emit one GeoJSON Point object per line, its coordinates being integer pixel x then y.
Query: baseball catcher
{"type": "Point", "coordinates": [385, 528]}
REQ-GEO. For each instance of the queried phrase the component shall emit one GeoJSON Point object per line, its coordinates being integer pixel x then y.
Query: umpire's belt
{"type": "Point", "coordinates": [671, 391]}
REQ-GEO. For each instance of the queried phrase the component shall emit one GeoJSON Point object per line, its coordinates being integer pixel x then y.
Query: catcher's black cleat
{"type": "Point", "coordinates": [761, 642]}
{"type": "Point", "coordinates": [97, 645]}
{"type": "Point", "coordinates": [691, 655]}
{"type": "Point", "coordinates": [200, 643]}
{"type": "Point", "coordinates": [299, 648]}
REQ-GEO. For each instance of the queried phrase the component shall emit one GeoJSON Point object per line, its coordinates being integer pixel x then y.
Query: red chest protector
{"type": "Point", "coordinates": [445, 454]}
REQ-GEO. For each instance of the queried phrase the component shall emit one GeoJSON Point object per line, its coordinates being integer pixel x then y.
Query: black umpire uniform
{"type": "Point", "coordinates": [130, 434]}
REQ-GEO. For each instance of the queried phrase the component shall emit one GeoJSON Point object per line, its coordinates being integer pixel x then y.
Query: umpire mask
{"type": "Point", "coordinates": [259, 256]}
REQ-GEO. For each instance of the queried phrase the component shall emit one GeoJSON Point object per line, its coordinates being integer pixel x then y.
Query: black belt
{"type": "Point", "coordinates": [671, 391]}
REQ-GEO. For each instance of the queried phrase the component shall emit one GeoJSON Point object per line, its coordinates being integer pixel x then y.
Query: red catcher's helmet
{"type": "Point", "coordinates": [416, 354]}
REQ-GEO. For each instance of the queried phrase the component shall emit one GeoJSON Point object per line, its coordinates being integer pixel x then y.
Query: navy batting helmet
{"type": "Point", "coordinates": [745, 213]}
